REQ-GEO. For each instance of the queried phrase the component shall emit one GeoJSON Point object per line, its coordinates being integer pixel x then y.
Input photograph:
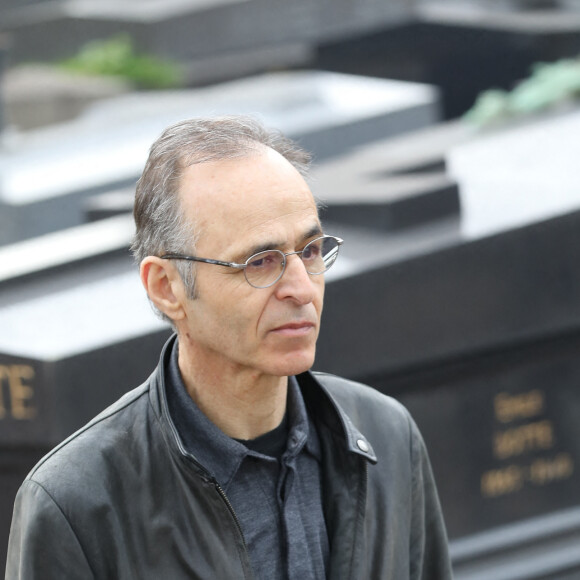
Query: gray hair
{"type": "Point", "coordinates": [160, 224]}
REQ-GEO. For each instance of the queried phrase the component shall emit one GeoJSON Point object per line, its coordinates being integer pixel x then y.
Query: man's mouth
{"type": "Point", "coordinates": [295, 328]}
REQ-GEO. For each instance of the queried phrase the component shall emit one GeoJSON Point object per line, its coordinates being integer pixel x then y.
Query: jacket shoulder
{"type": "Point", "coordinates": [87, 448]}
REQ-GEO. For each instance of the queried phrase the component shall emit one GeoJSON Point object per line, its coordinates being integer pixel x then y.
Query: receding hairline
{"type": "Point", "coordinates": [251, 148]}
{"type": "Point", "coordinates": [257, 150]}
{"type": "Point", "coordinates": [190, 195]}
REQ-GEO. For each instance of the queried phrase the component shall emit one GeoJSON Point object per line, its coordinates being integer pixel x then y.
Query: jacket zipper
{"type": "Point", "coordinates": [216, 484]}
{"type": "Point", "coordinates": [231, 509]}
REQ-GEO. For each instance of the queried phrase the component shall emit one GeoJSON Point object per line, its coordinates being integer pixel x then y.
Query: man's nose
{"type": "Point", "coordinates": [296, 282]}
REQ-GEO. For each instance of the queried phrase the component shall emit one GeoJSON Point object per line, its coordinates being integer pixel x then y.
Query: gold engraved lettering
{"type": "Point", "coordinates": [529, 433]}
{"type": "Point", "coordinates": [19, 393]}
{"type": "Point", "coordinates": [496, 482]}
{"type": "Point", "coordinates": [4, 380]}
{"type": "Point", "coordinates": [523, 406]}
{"type": "Point", "coordinates": [530, 437]}
{"type": "Point", "coordinates": [544, 471]}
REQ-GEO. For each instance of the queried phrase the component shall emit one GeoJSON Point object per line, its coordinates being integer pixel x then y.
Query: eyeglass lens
{"type": "Point", "coordinates": [265, 268]}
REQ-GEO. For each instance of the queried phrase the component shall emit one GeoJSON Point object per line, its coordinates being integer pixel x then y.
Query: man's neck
{"type": "Point", "coordinates": [242, 404]}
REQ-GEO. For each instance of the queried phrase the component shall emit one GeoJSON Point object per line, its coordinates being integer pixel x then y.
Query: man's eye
{"type": "Point", "coordinates": [258, 263]}
{"type": "Point", "coordinates": [262, 261]}
{"type": "Point", "coordinates": [311, 251]}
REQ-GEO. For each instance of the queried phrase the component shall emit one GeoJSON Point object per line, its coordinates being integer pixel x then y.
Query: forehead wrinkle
{"type": "Point", "coordinates": [274, 244]}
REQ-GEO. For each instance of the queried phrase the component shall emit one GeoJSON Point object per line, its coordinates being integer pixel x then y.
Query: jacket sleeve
{"type": "Point", "coordinates": [42, 544]}
{"type": "Point", "coordinates": [429, 554]}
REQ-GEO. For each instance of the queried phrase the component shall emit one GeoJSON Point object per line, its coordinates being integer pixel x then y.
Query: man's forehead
{"type": "Point", "coordinates": [250, 202]}
{"type": "Point", "coordinates": [252, 244]}
{"type": "Point", "coordinates": [244, 184]}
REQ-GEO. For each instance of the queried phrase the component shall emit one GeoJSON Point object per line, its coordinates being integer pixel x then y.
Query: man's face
{"type": "Point", "coordinates": [242, 206]}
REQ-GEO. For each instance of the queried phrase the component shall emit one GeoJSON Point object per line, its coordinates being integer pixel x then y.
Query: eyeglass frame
{"type": "Point", "coordinates": [177, 256]}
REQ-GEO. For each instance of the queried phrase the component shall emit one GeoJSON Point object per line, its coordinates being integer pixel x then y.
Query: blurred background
{"type": "Point", "coordinates": [446, 140]}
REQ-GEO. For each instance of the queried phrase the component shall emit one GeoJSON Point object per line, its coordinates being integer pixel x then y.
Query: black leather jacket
{"type": "Point", "coordinates": [121, 499]}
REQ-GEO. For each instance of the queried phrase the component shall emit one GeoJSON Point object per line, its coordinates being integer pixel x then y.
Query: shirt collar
{"type": "Point", "coordinates": [302, 432]}
{"type": "Point", "coordinates": [209, 445]}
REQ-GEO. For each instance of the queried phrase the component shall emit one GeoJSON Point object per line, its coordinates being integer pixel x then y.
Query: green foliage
{"type": "Point", "coordinates": [117, 57]}
{"type": "Point", "coordinates": [549, 85]}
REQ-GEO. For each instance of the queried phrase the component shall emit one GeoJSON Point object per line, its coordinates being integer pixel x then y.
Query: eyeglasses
{"type": "Point", "coordinates": [264, 269]}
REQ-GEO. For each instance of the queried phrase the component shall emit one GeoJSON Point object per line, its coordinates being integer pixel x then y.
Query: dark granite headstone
{"type": "Point", "coordinates": [462, 46]}
{"type": "Point", "coordinates": [478, 335]}
{"type": "Point", "coordinates": [77, 333]}
{"type": "Point", "coordinates": [481, 341]}
{"type": "Point", "coordinates": [396, 183]}
{"type": "Point", "coordinates": [43, 401]}
{"type": "Point", "coordinates": [503, 433]}
{"type": "Point", "coordinates": [219, 40]}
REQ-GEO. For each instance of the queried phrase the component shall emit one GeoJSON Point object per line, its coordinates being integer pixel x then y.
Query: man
{"type": "Point", "coordinates": [233, 460]}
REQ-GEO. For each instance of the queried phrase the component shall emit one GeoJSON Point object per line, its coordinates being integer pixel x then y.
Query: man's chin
{"type": "Point", "coordinates": [296, 364]}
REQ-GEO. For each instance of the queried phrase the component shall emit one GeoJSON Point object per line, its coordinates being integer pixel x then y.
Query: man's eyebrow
{"type": "Point", "coordinates": [315, 230]}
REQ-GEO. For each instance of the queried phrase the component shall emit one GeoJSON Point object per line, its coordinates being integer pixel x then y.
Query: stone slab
{"type": "Point", "coordinates": [480, 340]}
{"type": "Point", "coordinates": [44, 400]}
{"type": "Point", "coordinates": [462, 48]}
{"type": "Point", "coordinates": [393, 204]}
{"type": "Point", "coordinates": [36, 95]}
{"type": "Point", "coordinates": [68, 301]}
{"type": "Point", "coordinates": [452, 298]}
{"type": "Point", "coordinates": [517, 174]}
{"type": "Point", "coordinates": [47, 175]}
{"type": "Point", "coordinates": [189, 31]}
{"type": "Point", "coordinates": [92, 279]}
{"type": "Point", "coordinates": [87, 244]}
{"type": "Point", "coordinates": [508, 15]}
{"type": "Point", "coordinates": [109, 204]}
{"type": "Point", "coordinates": [393, 183]}
{"type": "Point", "coordinates": [540, 547]}
{"type": "Point", "coordinates": [503, 433]}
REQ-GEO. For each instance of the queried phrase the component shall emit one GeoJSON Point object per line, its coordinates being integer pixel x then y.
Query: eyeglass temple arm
{"type": "Point", "coordinates": [204, 260]}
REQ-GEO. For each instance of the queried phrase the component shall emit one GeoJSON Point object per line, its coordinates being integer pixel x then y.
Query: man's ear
{"type": "Point", "coordinates": [163, 286]}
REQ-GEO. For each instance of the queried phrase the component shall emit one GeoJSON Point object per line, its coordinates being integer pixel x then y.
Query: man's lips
{"type": "Point", "coordinates": [295, 328]}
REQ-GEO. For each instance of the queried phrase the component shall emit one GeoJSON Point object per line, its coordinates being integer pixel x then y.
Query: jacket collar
{"type": "Point", "coordinates": [325, 407]}
{"type": "Point", "coordinates": [322, 405]}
